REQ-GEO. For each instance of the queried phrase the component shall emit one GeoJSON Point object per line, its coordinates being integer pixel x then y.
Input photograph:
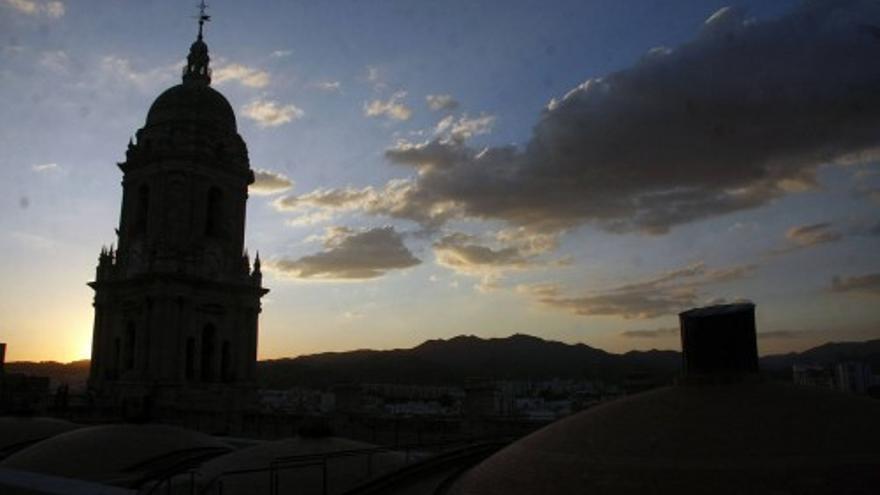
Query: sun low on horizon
{"type": "Point", "coordinates": [580, 171]}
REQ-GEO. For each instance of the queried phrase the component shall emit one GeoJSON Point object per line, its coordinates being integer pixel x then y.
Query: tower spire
{"type": "Point", "coordinates": [197, 70]}
{"type": "Point", "coordinates": [203, 18]}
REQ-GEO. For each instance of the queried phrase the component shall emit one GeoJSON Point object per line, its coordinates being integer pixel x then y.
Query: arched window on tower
{"type": "Point", "coordinates": [226, 362]}
{"type": "Point", "coordinates": [214, 213]}
{"type": "Point", "coordinates": [130, 336]}
{"type": "Point", "coordinates": [209, 335]}
{"type": "Point", "coordinates": [113, 373]}
{"type": "Point", "coordinates": [190, 359]}
{"type": "Point", "coordinates": [142, 209]}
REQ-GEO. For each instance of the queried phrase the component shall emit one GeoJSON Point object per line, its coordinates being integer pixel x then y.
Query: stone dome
{"type": "Point", "coordinates": [192, 103]}
{"type": "Point", "coordinates": [735, 438]}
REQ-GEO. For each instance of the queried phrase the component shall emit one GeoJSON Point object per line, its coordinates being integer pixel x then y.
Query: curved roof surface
{"type": "Point", "coordinates": [741, 438]}
{"type": "Point", "coordinates": [111, 452]}
{"type": "Point", "coordinates": [196, 103]}
{"type": "Point", "coordinates": [19, 432]}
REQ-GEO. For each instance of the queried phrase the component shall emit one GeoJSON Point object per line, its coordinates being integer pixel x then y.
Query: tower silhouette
{"type": "Point", "coordinates": [177, 302]}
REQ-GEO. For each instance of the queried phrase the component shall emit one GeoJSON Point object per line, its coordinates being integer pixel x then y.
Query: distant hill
{"type": "Point", "coordinates": [451, 361]}
{"type": "Point", "coordinates": [516, 357]}
{"type": "Point", "coordinates": [868, 352]}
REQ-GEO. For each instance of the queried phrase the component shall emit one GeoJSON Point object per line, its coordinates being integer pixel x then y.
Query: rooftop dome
{"type": "Point", "coordinates": [734, 438]}
{"type": "Point", "coordinates": [16, 433]}
{"type": "Point", "coordinates": [192, 103]}
{"type": "Point", "coordinates": [115, 454]}
{"type": "Point", "coordinates": [722, 430]}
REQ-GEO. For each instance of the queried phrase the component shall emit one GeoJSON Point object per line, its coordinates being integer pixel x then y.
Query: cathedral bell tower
{"type": "Point", "coordinates": [177, 301]}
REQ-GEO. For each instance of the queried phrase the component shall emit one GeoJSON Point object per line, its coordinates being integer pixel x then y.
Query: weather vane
{"type": "Point", "coordinates": [203, 18]}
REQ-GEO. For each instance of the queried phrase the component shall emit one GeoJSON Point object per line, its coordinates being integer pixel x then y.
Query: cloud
{"type": "Point", "coordinates": [267, 182]}
{"type": "Point", "coordinates": [392, 200]}
{"type": "Point", "coordinates": [651, 334]}
{"type": "Point", "coordinates": [342, 199]}
{"type": "Point", "coordinates": [441, 102]}
{"type": "Point", "coordinates": [428, 154]}
{"type": "Point", "coordinates": [56, 60]}
{"type": "Point", "coordinates": [328, 86]}
{"type": "Point", "coordinates": [866, 284]}
{"type": "Point", "coordinates": [53, 10]}
{"type": "Point", "coordinates": [662, 333]}
{"type": "Point", "coordinates": [805, 236]}
{"type": "Point", "coordinates": [464, 254]}
{"type": "Point", "coordinates": [391, 108]}
{"type": "Point", "coordinates": [785, 334]}
{"type": "Point", "coordinates": [665, 294]}
{"type": "Point", "coordinates": [268, 113]}
{"type": "Point", "coordinates": [464, 128]}
{"type": "Point", "coordinates": [246, 76]}
{"type": "Point", "coordinates": [351, 255]}
{"type": "Point", "coordinates": [375, 79]}
{"type": "Point", "coordinates": [867, 191]}
{"type": "Point", "coordinates": [509, 250]}
{"type": "Point", "coordinates": [742, 114]}
{"type": "Point", "coordinates": [281, 53]}
{"type": "Point", "coordinates": [810, 235]}
{"type": "Point", "coordinates": [24, 6]}
{"type": "Point", "coordinates": [45, 167]}
{"type": "Point", "coordinates": [145, 80]}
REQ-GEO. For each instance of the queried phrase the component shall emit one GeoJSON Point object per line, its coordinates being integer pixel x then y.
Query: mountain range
{"type": "Point", "coordinates": [452, 361]}
{"type": "Point", "coordinates": [518, 357]}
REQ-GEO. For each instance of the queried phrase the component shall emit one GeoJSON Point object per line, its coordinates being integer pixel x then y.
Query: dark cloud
{"type": "Point", "coordinates": [651, 334]}
{"type": "Point", "coordinates": [351, 255]}
{"type": "Point", "coordinates": [268, 182]}
{"type": "Point", "coordinates": [866, 284]}
{"type": "Point", "coordinates": [665, 294]}
{"type": "Point", "coordinates": [739, 116]}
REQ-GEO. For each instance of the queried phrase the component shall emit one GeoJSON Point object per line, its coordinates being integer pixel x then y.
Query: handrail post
{"type": "Point", "coordinates": [324, 477]}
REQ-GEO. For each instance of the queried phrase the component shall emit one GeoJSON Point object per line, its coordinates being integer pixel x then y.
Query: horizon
{"type": "Point", "coordinates": [422, 168]}
{"type": "Point", "coordinates": [760, 354]}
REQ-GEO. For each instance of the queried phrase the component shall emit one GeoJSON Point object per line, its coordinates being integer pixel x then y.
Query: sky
{"type": "Point", "coordinates": [577, 170]}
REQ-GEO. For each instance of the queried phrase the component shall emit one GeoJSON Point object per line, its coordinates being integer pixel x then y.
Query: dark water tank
{"type": "Point", "coordinates": [719, 341]}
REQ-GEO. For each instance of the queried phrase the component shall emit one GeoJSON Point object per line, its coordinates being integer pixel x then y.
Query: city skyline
{"type": "Point", "coordinates": [421, 173]}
